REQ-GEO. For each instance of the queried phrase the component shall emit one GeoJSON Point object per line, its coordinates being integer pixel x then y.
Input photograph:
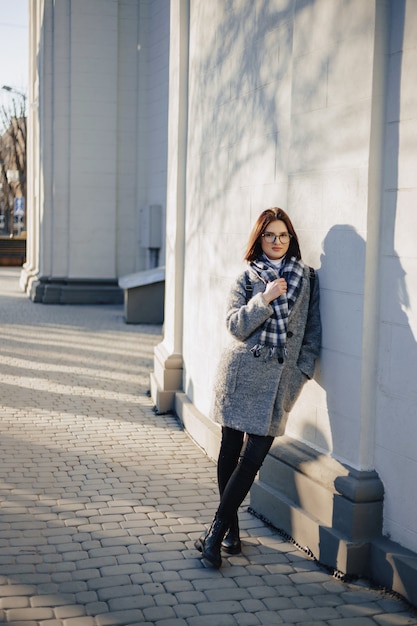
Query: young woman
{"type": "Point", "coordinates": [274, 319]}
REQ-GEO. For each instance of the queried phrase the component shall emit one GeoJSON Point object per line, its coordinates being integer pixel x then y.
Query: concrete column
{"type": "Point", "coordinates": [34, 188]}
{"type": "Point", "coordinates": [373, 257]}
{"type": "Point", "coordinates": [166, 378]}
{"type": "Point", "coordinates": [72, 147]}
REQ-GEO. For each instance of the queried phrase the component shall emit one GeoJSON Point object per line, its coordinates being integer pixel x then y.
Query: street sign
{"type": "Point", "coordinates": [19, 207]}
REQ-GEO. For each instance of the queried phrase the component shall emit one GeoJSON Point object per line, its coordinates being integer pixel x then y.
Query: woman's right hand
{"type": "Point", "coordinates": [274, 289]}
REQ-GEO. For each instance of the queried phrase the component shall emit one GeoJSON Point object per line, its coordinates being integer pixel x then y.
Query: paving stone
{"type": "Point", "coordinates": [364, 609]}
{"type": "Point", "coordinates": [185, 610]}
{"type": "Point", "coordinates": [177, 586]}
{"type": "Point", "coordinates": [352, 621]}
{"type": "Point", "coordinates": [395, 619]}
{"type": "Point", "coordinates": [165, 576]}
{"type": "Point", "coordinates": [131, 602]}
{"type": "Point", "coordinates": [391, 604]}
{"type": "Point", "coordinates": [219, 607]}
{"type": "Point", "coordinates": [313, 623]}
{"type": "Point", "coordinates": [301, 578]}
{"type": "Point", "coordinates": [269, 618]}
{"type": "Point", "coordinates": [262, 591]}
{"type": "Point", "coordinates": [52, 600]}
{"type": "Point", "coordinates": [278, 603]}
{"type": "Point", "coordinates": [323, 613]}
{"type": "Point", "coordinates": [14, 602]}
{"type": "Point", "coordinates": [72, 586]}
{"type": "Point", "coordinates": [252, 606]}
{"type": "Point", "coordinates": [79, 621]}
{"type": "Point", "coordinates": [303, 602]}
{"type": "Point", "coordinates": [159, 613]}
{"type": "Point", "coordinates": [329, 599]}
{"type": "Point", "coordinates": [246, 619]}
{"type": "Point", "coordinates": [165, 599]}
{"type": "Point", "coordinates": [209, 620]}
{"type": "Point", "coordinates": [31, 613]}
{"type": "Point", "coordinates": [108, 581]}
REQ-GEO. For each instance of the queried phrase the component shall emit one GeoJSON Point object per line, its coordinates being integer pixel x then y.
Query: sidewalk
{"type": "Point", "coordinates": [101, 500]}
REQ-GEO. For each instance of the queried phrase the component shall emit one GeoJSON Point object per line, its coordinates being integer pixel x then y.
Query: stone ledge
{"type": "Point", "coordinates": [75, 291]}
{"type": "Point", "coordinates": [394, 567]}
{"type": "Point", "coordinates": [144, 295]}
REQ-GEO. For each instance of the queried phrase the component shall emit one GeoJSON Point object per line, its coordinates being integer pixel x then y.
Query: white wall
{"type": "Point", "coordinates": [286, 108]}
{"type": "Point", "coordinates": [279, 118]}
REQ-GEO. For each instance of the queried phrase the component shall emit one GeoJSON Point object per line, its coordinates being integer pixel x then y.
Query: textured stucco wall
{"type": "Point", "coordinates": [278, 117]}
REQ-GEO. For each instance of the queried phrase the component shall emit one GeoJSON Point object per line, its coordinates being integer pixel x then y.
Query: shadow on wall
{"type": "Point", "coordinates": [342, 285]}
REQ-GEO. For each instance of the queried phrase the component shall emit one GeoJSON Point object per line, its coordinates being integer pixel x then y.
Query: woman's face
{"type": "Point", "coordinates": [275, 250]}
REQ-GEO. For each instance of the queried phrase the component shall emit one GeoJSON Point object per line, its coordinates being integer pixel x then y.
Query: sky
{"type": "Point", "coordinates": [14, 48]}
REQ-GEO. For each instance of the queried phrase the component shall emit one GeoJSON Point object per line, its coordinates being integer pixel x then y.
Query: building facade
{"type": "Point", "coordinates": [305, 104]}
{"type": "Point", "coordinates": [96, 144]}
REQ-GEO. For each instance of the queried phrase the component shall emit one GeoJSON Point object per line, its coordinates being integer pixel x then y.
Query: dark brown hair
{"type": "Point", "coordinates": [254, 248]}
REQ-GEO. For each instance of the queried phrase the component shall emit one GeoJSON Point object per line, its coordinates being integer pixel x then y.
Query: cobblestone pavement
{"type": "Point", "coordinates": [101, 499]}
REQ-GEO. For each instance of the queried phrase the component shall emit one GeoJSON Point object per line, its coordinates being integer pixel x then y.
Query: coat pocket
{"type": "Point", "coordinates": [227, 373]}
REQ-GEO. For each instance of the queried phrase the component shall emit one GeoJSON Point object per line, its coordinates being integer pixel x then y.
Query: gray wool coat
{"type": "Point", "coordinates": [255, 395]}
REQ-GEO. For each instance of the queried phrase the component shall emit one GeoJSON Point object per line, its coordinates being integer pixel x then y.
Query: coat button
{"type": "Point", "coordinates": [280, 360]}
{"type": "Point", "coordinates": [290, 334]}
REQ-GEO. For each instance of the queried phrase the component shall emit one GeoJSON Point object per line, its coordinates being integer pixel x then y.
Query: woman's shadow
{"type": "Point", "coordinates": [341, 372]}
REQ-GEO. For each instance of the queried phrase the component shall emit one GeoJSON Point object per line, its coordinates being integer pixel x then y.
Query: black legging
{"type": "Point", "coordinates": [237, 467]}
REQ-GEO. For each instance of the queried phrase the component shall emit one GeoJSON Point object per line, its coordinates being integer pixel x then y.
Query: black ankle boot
{"type": "Point", "coordinates": [231, 542]}
{"type": "Point", "coordinates": [210, 545]}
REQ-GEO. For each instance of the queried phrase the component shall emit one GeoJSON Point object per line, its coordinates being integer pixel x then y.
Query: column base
{"type": "Point", "coordinates": [166, 379]}
{"type": "Point", "coordinates": [74, 291]}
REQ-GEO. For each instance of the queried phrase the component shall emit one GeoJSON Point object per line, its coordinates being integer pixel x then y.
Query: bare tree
{"type": "Point", "coordinates": [12, 160]}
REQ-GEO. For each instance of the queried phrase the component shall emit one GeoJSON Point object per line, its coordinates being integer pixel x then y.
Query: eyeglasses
{"type": "Point", "coordinates": [272, 237]}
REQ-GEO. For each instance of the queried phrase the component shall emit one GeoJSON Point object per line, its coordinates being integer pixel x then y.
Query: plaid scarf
{"type": "Point", "coordinates": [274, 330]}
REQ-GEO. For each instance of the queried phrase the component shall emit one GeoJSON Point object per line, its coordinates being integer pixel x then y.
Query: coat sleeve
{"type": "Point", "coordinates": [243, 318]}
{"type": "Point", "coordinates": [310, 348]}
